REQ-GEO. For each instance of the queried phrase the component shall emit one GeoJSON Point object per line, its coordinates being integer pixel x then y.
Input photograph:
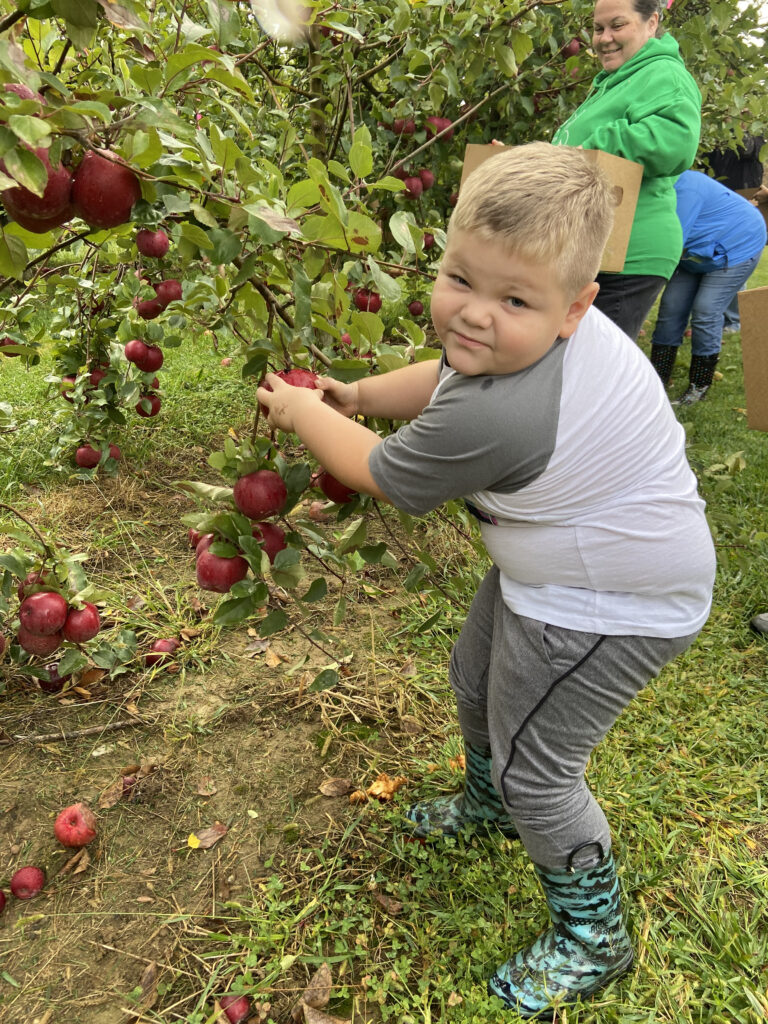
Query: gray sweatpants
{"type": "Point", "coordinates": [542, 697]}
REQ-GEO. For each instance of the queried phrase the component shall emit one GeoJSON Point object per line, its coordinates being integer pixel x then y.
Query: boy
{"type": "Point", "coordinates": [555, 429]}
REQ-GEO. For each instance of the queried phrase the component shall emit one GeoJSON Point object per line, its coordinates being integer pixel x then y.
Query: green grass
{"type": "Point", "coordinates": [411, 933]}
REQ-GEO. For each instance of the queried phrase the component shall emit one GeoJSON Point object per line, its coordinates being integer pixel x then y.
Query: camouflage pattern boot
{"type": "Point", "coordinates": [586, 947]}
{"type": "Point", "coordinates": [479, 805]}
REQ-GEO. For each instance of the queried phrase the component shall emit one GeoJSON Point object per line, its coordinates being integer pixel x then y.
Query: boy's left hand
{"type": "Point", "coordinates": [284, 401]}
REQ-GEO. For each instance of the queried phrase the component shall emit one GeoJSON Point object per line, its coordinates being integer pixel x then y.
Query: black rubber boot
{"type": "Point", "coordinates": [700, 379]}
{"type": "Point", "coordinates": [663, 361]}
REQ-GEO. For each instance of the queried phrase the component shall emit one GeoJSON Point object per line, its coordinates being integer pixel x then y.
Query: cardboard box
{"type": "Point", "coordinates": [625, 177]}
{"type": "Point", "coordinates": [762, 207]}
{"type": "Point", "coordinates": [753, 310]}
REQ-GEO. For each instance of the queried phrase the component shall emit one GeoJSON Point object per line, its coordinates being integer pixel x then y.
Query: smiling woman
{"type": "Point", "coordinates": [646, 107]}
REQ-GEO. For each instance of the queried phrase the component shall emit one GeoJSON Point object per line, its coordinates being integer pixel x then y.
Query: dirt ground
{"type": "Point", "coordinates": [230, 735]}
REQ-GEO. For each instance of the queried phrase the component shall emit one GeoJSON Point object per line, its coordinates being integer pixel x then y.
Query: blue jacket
{"type": "Point", "coordinates": [720, 228]}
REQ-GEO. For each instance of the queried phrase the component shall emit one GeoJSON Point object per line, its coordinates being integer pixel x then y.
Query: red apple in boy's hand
{"type": "Point", "coordinates": [298, 377]}
{"type": "Point", "coordinates": [75, 826]}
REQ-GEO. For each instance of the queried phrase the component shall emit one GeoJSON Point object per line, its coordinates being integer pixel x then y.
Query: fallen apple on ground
{"type": "Point", "coordinates": [75, 826]}
{"type": "Point", "coordinates": [27, 882]}
{"type": "Point", "coordinates": [2, 901]}
{"type": "Point", "coordinates": [55, 683]}
{"type": "Point", "coordinates": [236, 1008]}
{"type": "Point", "coordinates": [161, 651]}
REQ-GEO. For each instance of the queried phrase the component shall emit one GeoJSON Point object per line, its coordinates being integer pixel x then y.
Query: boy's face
{"type": "Point", "coordinates": [497, 313]}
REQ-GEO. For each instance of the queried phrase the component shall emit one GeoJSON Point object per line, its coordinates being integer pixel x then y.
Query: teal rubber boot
{"type": "Point", "coordinates": [586, 947]}
{"type": "Point", "coordinates": [479, 805]}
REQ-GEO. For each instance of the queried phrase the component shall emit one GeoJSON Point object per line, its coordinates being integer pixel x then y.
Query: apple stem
{"type": "Point", "coordinates": [49, 552]}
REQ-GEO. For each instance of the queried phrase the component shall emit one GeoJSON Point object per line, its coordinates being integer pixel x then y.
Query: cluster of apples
{"type": "Point", "coordinates": [47, 619]}
{"type": "Point", "coordinates": [74, 828]}
{"type": "Point", "coordinates": [415, 183]}
{"type": "Point", "coordinates": [433, 126]}
{"type": "Point", "coordinates": [101, 190]}
{"type": "Point", "coordinates": [148, 359]}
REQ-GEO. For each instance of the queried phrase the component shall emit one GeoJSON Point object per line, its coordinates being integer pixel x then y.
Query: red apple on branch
{"type": "Point", "coordinates": [147, 358]}
{"type": "Point", "coordinates": [367, 301]}
{"type": "Point", "coordinates": [19, 202]}
{"type": "Point", "coordinates": [42, 646]}
{"type": "Point", "coordinates": [271, 537]}
{"type": "Point", "coordinates": [435, 125]}
{"type": "Point", "coordinates": [413, 187]}
{"type": "Point", "coordinates": [104, 190]}
{"type": "Point", "coordinates": [334, 489]}
{"type": "Point", "coordinates": [152, 243]}
{"type": "Point", "coordinates": [82, 624]}
{"type": "Point", "coordinates": [220, 574]}
{"type": "Point", "coordinates": [403, 126]}
{"type": "Point", "coordinates": [261, 494]}
{"type": "Point", "coordinates": [427, 178]}
{"type": "Point", "coordinates": [298, 377]}
{"type": "Point", "coordinates": [415, 308]}
{"type": "Point", "coordinates": [153, 401]}
{"type": "Point", "coordinates": [43, 613]}
{"type": "Point", "coordinates": [168, 291]}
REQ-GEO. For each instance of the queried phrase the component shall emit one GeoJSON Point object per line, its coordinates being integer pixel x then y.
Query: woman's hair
{"type": "Point", "coordinates": [647, 8]}
{"type": "Point", "coordinates": [549, 204]}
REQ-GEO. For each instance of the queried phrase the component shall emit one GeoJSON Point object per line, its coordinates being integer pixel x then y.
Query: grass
{"type": "Point", "coordinates": [411, 933]}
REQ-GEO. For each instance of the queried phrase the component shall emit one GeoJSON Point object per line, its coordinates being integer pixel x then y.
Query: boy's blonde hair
{"type": "Point", "coordinates": [546, 203]}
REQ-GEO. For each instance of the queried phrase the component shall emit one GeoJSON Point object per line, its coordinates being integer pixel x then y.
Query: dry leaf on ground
{"type": "Point", "coordinates": [318, 991]}
{"type": "Point", "coordinates": [206, 786]}
{"type": "Point", "coordinates": [392, 906]}
{"type": "Point", "coordinates": [207, 837]}
{"type": "Point", "coordinates": [335, 787]}
{"type": "Point", "coordinates": [383, 787]}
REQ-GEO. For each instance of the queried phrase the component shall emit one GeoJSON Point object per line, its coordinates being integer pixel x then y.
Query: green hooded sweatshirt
{"type": "Point", "coordinates": [647, 110]}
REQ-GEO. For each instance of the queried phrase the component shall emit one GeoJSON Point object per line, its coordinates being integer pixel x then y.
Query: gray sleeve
{"type": "Point", "coordinates": [478, 433]}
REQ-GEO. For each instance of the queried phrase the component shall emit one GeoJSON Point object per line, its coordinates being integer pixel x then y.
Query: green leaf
{"type": "Point", "coordinates": [353, 536]}
{"type": "Point", "coordinates": [80, 13]}
{"type": "Point", "coordinates": [386, 286]}
{"type": "Point", "coordinates": [208, 492]}
{"type": "Point", "coordinates": [340, 611]}
{"type": "Point", "coordinates": [236, 609]}
{"type": "Point", "coordinates": [521, 44]}
{"type": "Point", "coordinates": [29, 129]}
{"type": "Point", "coordinates": [415, 576]}
{"type": "Point", "coordinates": [226, 245]}
{"type": "Point", "coordinates": [26, 169]}
{"type": "Point", "coordinates": [13, 256]}
{"type": "Point", "coordinates": [360, 158]}
{"type": "Point", "coordinates": [317, 590]}
{"type": "Point", "coordinates": [505, 59]}
{"type": "Point", "coordinates": [405, 230]}
{"type": "Point", "coordinates": [196, 236]}
{"type": "Point", "coordinates": [324, 680]}
{"type": "Point", "coordinates": [273, 622]}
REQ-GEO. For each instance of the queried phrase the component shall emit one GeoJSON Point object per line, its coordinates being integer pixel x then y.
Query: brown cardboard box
{"type": "Point", "coordinates": [748, 193]}
{"type": "Point", "coordinates": [753, 310]}
{"type": "Point", "coordinates": [625, 176]}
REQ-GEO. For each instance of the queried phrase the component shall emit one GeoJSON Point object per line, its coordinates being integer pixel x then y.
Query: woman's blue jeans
{"type": "Point", "coordinates": [703, 298]}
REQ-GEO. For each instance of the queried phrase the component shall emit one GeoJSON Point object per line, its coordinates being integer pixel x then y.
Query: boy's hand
{"type": "Point", "coordinates": [340, 396]}
{"type": "Point", "coordinates": [284, 401]}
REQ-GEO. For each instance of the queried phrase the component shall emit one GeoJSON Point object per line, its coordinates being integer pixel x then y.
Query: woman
{"type": "Point", "coordinates": [644, 106]}
{"type": "Point", "coordinates": [723, 238]}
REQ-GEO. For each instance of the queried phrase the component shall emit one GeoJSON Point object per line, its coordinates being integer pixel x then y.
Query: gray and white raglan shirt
{"type": "Point", "coordinates": [576, 468]}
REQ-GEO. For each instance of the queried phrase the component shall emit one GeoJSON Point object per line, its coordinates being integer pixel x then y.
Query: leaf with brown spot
{"type": "Point", "coordinates": [318, 991]}
{"type": "Point", "coordinates": [207, 837]}
{"type": "Point", "coordinates": [335, 787]}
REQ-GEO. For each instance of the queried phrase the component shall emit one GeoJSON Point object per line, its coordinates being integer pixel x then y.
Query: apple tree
{"type": "Point", "coordinates": [279, 175]}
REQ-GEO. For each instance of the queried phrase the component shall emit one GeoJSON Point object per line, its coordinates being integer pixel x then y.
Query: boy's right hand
{"type": "Point", "coordinates": [340, 396]}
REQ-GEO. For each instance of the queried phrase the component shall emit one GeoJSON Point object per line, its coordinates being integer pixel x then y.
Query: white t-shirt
{"type": "Point", "coordinates": [577, 468]}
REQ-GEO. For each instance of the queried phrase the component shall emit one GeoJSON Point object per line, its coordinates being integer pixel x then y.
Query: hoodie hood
{"type": "Point", "coordinates": [665, 48]}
